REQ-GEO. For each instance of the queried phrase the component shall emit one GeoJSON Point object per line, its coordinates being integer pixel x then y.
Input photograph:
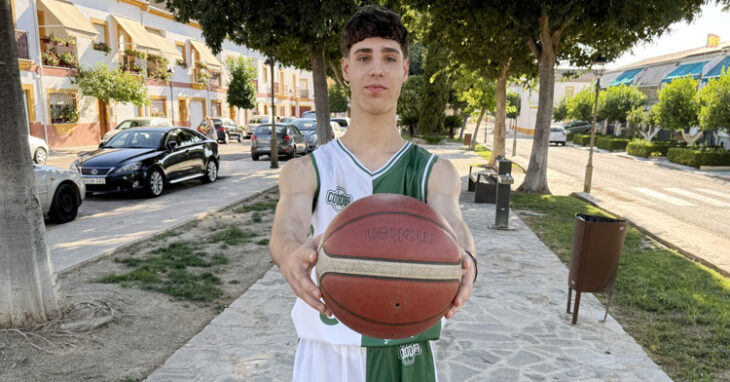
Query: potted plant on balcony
{"type": "Point", "coordinates": [50, 58]}
{"type": "Point", "coordinates": [102, 46]}
{"type": "Point", "coordinates": [67, 59]}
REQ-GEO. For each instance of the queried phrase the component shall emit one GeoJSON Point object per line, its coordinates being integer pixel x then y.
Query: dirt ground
{"type": "Point", "coordinates": [121, 332]}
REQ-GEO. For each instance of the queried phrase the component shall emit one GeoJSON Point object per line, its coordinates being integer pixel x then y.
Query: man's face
{"type": "Point", "coordinates": [375, 69]}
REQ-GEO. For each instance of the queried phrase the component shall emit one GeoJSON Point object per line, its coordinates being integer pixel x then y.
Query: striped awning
{"type": "Point", "coordinates": [719, 69]}
{"type": "Point", "coordinates": [694, 70]}
{"type": "Point", "coordinates": [626, 77]}
{"type": "Point", "coordinates": [205, 54]}
{"type": "Point", "coordinates": [141, 39]}
{"type": "Point", "coordinates": [66, 17]}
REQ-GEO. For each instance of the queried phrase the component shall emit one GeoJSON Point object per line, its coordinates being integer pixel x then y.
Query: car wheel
{"type": "Point", "coordinates": [293, 152]}
{"type": "Point", "coordinates": [155, 183]}
{"type": "Point", "coordinates": [226, 138]}
{"type": "Point", "coordinates": [65, 204]}
{"type": "Point", "coordinates": [255, 156]}
{"type": "Point", "coordinates": [40, 156]}
{"type": "Point", "coordinates": [211, 172]}
{"type": "Point", "coordinates": [240, 139]}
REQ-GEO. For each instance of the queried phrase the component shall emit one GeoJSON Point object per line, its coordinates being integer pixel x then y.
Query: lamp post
{"type": "Point", "coordinates": [172, 103]}
{"type": "Point", "coordinates": [598, 68]}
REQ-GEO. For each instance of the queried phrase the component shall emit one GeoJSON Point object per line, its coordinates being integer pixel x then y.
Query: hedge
{"type": "Point", "coordinates": [581, 139]}
{"type": "Point", "coordinates": [642, 148]}
{"type": "Point", "coordinates": [697, 157]}
{"type": "Point", "coordinates": [611, 143]}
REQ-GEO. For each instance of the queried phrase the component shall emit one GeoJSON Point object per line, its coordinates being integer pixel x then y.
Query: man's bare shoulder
{"type": "Point", "coordinates": [298, 175]}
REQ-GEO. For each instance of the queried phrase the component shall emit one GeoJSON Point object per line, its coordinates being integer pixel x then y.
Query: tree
{"type": "Point", "coordinates": [645, 121]}
{"type": "Point", "coordinates": [580, 106]}
{"type": "Point", "coordinates": [241, 92]}
{"type": "Point", "coordinates": [514, 104]}
{"type": "Point", "coordinates": [615, 103]}
{"type": "Point", "coordinates": [560, 111]}
{"type": "Point", "coordinates": [107, 84]}
{"type": "Point", "coordinates": [302, 34]}
{"type": "Point", "coordinates": [436, 91]}
{"type": "Point", "coordinates": [478, 93]}
{"type": "Point", "coordinates": [409, 102]}
{"type": "Point", "coordinates": [715, 103]}
{"type": "Point", "coordinates": [29, 293]}
{"type": "Point", "coordinates": [679, 106]}
{"type": "Point", "coordinates": [339, 98]}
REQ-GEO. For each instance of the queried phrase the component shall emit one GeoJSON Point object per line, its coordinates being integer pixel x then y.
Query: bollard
{"type": "Point", "coordinates": [504, 182]}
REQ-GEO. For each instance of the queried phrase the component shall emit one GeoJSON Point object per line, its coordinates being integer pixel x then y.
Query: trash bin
{"type": "Point", "coordinates": [467, 139]}
{"type": "Point", "coordinates": [597, 244]}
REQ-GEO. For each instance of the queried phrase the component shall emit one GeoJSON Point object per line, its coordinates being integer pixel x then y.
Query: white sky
{"type": "Point", "coordinates": [681, 36]}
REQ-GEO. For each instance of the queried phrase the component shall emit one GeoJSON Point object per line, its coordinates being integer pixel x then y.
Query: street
{"type": "Point", "coordinates": [691, 211]}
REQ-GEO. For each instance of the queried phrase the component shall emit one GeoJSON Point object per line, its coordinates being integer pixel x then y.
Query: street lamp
{"type": "Point", "coordinates": [598, 66]}
{"type": "Point", "coordinates": [172, 104]}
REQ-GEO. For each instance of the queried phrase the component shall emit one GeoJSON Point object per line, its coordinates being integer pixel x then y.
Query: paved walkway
{"type": "Point", "coordinates": [514, 328]}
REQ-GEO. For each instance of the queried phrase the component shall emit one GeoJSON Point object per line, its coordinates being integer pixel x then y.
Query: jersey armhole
{"type": "Point", "coordinates": [426, 175]}
{"type": "Point", "coordinates": [316, 171]}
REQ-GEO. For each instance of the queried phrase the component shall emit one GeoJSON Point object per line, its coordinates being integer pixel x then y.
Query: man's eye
{"type": "Point", "coordinates": [363, 59]}
{"type": "Point", "coordinates": [390, 59]}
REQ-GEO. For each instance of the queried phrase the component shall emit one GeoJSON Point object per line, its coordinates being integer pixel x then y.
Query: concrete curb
{"type": "Point", "coordinates": [689, 255]}
{"type": "Point", "coordinates": [176, 226]}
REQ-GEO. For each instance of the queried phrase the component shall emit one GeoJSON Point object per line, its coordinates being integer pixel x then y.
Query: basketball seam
{"type": "Point", "coordinates": [340, 256]}
{"type": "Point", "coordinates": [443, 228]}
{"type": "Point", "coordinates": [387, 278]}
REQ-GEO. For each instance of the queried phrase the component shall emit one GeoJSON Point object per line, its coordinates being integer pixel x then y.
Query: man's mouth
{"type": "Point", "coordinates": [376, 88]}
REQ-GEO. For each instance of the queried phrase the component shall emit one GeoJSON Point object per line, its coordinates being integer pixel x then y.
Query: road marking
{"type": "Point", "coordinates": [664, 197]}
{"type": "Point", "coordinates": [625, 196]}
{"type": "Point", "coordinates": [702, 198]}
{"type": "Point", "coordinates": [713, 192]}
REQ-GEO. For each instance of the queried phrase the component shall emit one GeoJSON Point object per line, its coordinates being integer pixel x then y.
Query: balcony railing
{"type": "Point", "coordinates": [21, 39]}
{"type": "Point", "coordinates": [57, 52]}
{"type": "Point", "coordinates": [303, 93]}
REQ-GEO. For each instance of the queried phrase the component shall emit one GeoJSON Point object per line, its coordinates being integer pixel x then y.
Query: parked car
{"type": "Point", "coordinates": [38, 150]}
{"type": "Point", "coordinates": [286, 120]}
{"type": "Point", "coordinates": [309, 114]}
{"type": "Point", "coordinates": [225, 128]}
{"type": "Point", "coordinates": [60, 192]}
{"type": "Point", "coordinates": [343, 122]}
{"type": "Point", "coordinates": [147, 159]}
{"type": "Point", "coordinates": [291, 141]}
{"type": "Point", "coordinates": [254, 122]}
{"type": "Point", "coordinates": [137, 122]}
{"type": "Point", "coordinates": [308, 127]}
{"type": "Point", "coordinates": [577, 127]}
{"type": "Point", "coordinates": [557, 135]}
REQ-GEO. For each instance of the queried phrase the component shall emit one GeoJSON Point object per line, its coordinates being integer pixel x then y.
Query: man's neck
{"type": "Point", "coordinates": [372, 132]}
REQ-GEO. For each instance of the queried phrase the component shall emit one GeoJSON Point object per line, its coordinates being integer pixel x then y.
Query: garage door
{"type": "Point", "coordinates": [196, 113]}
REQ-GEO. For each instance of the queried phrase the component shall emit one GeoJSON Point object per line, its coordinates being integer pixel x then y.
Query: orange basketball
{"type": "Point", "coordinates": [389, 266]}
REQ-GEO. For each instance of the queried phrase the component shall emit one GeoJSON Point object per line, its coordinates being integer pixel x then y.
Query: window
{"type": "Point", "coordinates": [183, 109]}
{"type": "Point", "coordinates": [215, 109]}
{"type": "Point", "coordinates": [189, 138]}
{"type": "Point", "coordinates": [266, 78]}
{"type": "Point", "coordinates": [569, 91]}
{"type": "Point", "coordinates": [181, 49]}
{"type": "Point", "coordinates": [63, 107]}
{"type": "Point", "coordinates": [158, 107]}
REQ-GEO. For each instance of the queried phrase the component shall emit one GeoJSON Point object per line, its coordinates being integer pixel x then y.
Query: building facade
{"type": "Point", "coordinates": [185, 80]}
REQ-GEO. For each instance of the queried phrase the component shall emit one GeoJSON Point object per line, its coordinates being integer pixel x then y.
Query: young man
{"type": "Point", "coordinates": [370, 158]}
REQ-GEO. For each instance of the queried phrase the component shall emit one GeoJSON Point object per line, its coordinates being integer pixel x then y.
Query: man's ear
{"type": "Point", "coordinates": [405, 70]}
{"type": "Point", "coordinates": [345, 65]}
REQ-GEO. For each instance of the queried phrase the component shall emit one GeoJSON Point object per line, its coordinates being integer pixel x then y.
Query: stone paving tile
{"type": "Point", "coordinates": [514, 328]}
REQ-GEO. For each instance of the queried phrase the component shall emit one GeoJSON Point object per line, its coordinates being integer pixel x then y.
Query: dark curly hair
{"type": "Point", "coordinates": [373, 21]}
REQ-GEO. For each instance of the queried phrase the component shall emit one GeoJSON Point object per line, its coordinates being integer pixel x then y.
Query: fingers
{"type": "Point", "coordinates": [465, 287]}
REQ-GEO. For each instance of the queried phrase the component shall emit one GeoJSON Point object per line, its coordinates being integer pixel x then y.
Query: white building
{"type": "Point", "coordinates": [137, 36]}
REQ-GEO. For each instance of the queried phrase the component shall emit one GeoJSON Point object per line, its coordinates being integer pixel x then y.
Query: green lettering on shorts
{"type": "Point", "coordinates": [411, 362]}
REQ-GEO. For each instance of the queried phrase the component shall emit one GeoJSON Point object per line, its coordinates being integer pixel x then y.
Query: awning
{"type": "Point", "coordinates": [626, 77]}
{"type": "Point", "coordinates": [718, 69]}
{"type": "Point", "coordinates": [141, 39]}
{"type": "Point", "coordinates": [694, 70]}
{"type": "Point", "coordinates": [205, 54]}
{"type": "Point", "coordinates": [68, 17]}
{"type": "Point", "coordinates": [166, 47]}
{"type": "Point", "coordinates": [653, 75]}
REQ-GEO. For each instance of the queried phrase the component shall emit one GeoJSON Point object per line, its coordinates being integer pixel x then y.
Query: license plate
{"type": "Point", "coordinates": [264, 142]}
{"type": "Point", "coordinates": [94, 180]}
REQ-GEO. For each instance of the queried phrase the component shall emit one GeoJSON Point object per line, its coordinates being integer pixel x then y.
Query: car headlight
{"type": "Point", "coordinates": [75, 166]}
{"type": "Point", "coordinates": [129, 167]}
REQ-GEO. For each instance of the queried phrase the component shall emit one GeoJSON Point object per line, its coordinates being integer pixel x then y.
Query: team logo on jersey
{"type": "Point", "coordinates": [328, 321]}
{"type": "Point", "coordinates": [408, 353]}
{"type": "Point", "coordinates": [338, 198]}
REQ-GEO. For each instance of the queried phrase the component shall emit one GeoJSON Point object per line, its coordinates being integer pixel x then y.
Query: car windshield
{"type": "Point", "coordinates": [133, 123]}
{"type": "Point", "coordinates": [260, 120]}
{"type": "Point", "coordinates": [266, 130]}
{"type": "Point", "coordinates": [306, 125]}
{"type": "Point", "coordinates": [137, 139]}
{"type": "Point", "coordinates": [556, 129]}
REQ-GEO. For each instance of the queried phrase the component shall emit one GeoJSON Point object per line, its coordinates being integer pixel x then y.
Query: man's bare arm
{"type": "Point", "coordinates": [291, 249]}
{"type": "Point", "coordinates": [444, 188]}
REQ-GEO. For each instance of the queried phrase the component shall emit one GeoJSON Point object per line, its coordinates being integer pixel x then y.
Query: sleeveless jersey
{"type": "Point", "coordinates": [342, 179]}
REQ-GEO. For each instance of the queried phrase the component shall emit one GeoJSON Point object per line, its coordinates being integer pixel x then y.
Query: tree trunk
{"type": "Point", "coordinates": [500, 132]}
{"type": "Point", "coordinates": [473, 143]}
{"type": "Point", "coordinates": [29, 293]}
{"type": "Point", "coordinates": [463, 126]}
{"type": "Point", "coordinates": [321, 98]}
{"type": "Point", "coordinates": [536, 177]}
{"type": "Point", "coordinates": [274, 157]}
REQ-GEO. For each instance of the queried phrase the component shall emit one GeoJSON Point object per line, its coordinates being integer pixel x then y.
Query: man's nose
{"type": "Point", "coordinates": [377, 69]}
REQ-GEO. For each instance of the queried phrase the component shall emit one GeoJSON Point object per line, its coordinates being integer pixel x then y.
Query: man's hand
{"type": "Point", "coordinates": [297, 268]}
{"type": "Point", "coordinates": [467, 283]}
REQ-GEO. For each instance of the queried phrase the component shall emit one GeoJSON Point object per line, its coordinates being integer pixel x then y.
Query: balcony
{"type": "Point", "coordinates": [303, 93]}
{"type": "Point", "coordinates": [59, 52]}
{"type": "Point", "coordinates": [21, 40]}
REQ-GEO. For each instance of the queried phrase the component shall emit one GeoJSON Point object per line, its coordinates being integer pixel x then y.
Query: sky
{"type": "Point", "coordinates": [681, 36]}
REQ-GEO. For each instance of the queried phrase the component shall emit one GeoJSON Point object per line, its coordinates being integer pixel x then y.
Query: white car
{"type": "Point", "coordinates": [60, 192]}
{"type": "Point", "coordinates": [38, 150]}
{"type": "Point", "coordinates": [137, 122]}
{"type": "Point", "coordinates": [557, 135]}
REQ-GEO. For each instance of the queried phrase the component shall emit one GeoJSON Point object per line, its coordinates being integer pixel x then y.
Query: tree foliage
{"type": "Point", "coordinates": [715, 103]}
{"type": "Point", "coordinates": [108, 84]}
{"type": "Point", "coordinates": [436, 90]}
{"type": "Point", "coordinates": [616, 102]}
{"type": "Point", "coordinates": [241, 91]}
{"type": "Point", "coordinates": [580, 106]}
{"type": "Point", "coordinates": [560, 111]}
{"type": "Point", "coordinates": [338, 96]}
{"type": "Point", "coordinates": [678, 104]}
{"type": "Point", "coordinates": [477, 91]}
{"type": "Point", "coordinates": [409, 102]}
{"type": "Point", "coordinates": [514, 104]}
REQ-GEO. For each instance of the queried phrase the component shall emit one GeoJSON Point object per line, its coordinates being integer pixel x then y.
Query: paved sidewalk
{"type": "Point", "coordinates": [514, 328]}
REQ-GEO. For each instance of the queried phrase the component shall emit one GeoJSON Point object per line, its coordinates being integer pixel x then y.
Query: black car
{"type": "Point", "coordinates": [149, 158]}
{"type": "Point", "coordinates": [291, 141]}
{"type": "Point", "coordinates": [226, 129]}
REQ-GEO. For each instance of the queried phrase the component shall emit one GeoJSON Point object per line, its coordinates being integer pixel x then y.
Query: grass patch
{"type": "Point", "coordinates": [232, 236]}
{"type": "Point", "coordinates": [166, 270]}
{"type": "Point", "coordinates": [483, 151]}
{"type": "Point", "coordinates": [258, 206]}
{"type": "Point", "coordinates": [263, 242]}
{"type": "Point", "coordinates": [678, 310]}
{"type": "Point", "coordinates": [256, 217]}
{"type": "Point", "coordinates": [166, 235]}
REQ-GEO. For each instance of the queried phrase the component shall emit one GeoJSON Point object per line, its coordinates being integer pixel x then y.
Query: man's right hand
{"type": "Point", "coordinates": [297, 269]}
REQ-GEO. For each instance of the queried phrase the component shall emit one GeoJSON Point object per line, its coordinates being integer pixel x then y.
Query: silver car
{"type": "Point", "coordinates": [60, 192]}
{"type": "Point", "coordinates": [137, 122]}
{"type": "Point", "coordinates": [38, 150]}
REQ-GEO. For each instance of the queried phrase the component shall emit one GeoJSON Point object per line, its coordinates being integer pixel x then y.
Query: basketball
{"type": "Point", "coordinates": [389, 266]}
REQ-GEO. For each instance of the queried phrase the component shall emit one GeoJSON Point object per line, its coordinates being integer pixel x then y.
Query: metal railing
{"type": "Point", "coordinates": [21, 39]}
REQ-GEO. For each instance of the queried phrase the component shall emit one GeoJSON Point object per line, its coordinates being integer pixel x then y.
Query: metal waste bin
{"type": "Point", "coordinates": [597, 244]}
{"type": "Point", "coordinates": [467, 139]}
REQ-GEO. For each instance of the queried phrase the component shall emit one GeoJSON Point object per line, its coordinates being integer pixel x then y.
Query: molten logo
{"type": "Point", "coordinates": [398, 234]}
{"type": "Point", "coordinates": [408, 353]}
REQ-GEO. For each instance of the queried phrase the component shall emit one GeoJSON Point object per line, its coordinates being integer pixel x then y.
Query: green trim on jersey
{"type": "Point", "coordinates": [382, 168]}
{"type": "Point", "coordinates": [408, 176]}
{"type": "Point", "coordinates": [316, 170]}
{"type": "Point", "coordinates": [411, 362]}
